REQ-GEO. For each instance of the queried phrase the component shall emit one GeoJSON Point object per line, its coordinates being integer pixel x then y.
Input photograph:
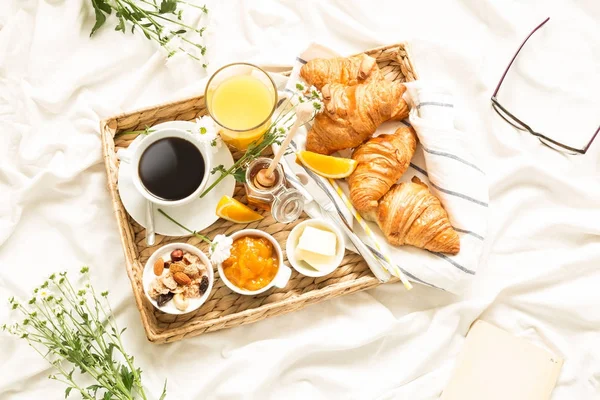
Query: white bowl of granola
{"type": "Point", "coordinates": [178, 278]}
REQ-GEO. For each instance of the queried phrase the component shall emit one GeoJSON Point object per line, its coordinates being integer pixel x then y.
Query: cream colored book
{"type": "Point", "coordinates": [495, 365]}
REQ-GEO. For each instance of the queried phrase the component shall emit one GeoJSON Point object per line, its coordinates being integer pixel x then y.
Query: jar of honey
{"type": "Point", "coordinates": [286, 204]}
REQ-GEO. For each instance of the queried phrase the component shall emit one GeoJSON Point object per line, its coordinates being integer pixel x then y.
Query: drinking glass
{"type": "Point", "coordinates": [241, 98]}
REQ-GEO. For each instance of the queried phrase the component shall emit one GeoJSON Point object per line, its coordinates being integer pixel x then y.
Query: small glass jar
{"type": "Point", "coordinates": [286, 204]}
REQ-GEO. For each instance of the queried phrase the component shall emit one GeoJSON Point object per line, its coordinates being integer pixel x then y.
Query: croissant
{"type": "Point", "coordinates": [410, 214]}
{"type": "Point", "coordinates": [381, 162]}
{"type": "Point", "coordinates": [347, 71]}
{"type": "Point", "coordinates": [353, 113]}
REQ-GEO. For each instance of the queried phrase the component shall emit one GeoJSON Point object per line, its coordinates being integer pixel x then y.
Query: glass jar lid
{"type": "Point", "coordinates": [287, 205]}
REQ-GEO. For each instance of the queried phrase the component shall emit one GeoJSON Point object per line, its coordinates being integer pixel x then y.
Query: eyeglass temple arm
{"type": "Point", "coordinates": [516, 54]}
{"type": "Point", "coordinates": [585, 149]}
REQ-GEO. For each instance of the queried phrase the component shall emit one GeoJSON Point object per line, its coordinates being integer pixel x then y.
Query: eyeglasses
{"type": "Point", "coordinates": [520, 125]}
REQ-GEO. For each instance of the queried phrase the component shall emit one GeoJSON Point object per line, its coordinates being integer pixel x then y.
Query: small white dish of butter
{"type": "Point", "coordinates": [315, 248]}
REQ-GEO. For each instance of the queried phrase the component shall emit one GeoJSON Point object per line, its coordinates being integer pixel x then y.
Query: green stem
{"type": "Point", "coordinates": [58, 343]}
{"type": "Point", "coordinates": [203, 8]}
{"type": "Point", "coordinates": [147, 13]}
{"type": "Point", "coordinates": [136, 376]}
{"type": "Point", "coordinates": [61, 328]}
{"type": "Point", "coordinates": [63, 373]}
{"type": "Point", "coordinates": [140, 132]}
{"type": "Point", "coordinates": [198, 235]}
{"type": "Point", "coordinates": [71, 296]}
{"type": "Point", "coordinates": [223, 175]}
{"type": "Point", "coordinates": [255, 148]}
{"type": "Point", "coordinates": [155, 14]}
{"type": "Point", "coordinates": [99, 336]}
{"type": "Point", "coordinates": [202, 48]}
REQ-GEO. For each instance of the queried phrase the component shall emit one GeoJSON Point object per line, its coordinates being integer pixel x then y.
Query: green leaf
{"type": "Point", "coordinates": [107, 396]}
{"type": "Point", "coordinates": [100, 19]}
{"type": "Point", "coordinates": [219, 168]}
{"type": "Point", "coordinates": [164, 392]}
{"type": "Point", "coordinates": [168, 6]}
{"type": "Point", "coordinates": [68, 391]}
{"type": "Point", "coordinates": [109, 352]}
{"type": "Point", "coordinates": [138, 16]}
{"type": "Point", "coordinates": [93, 389]}
{"type": "Point", "coordinates": [240, 175]}
{"type": "Point", "coordinates": [103, 5]}
{"type": "Point", "coordinates": [180, 32]}
{"type": "Point", "coordinates": [127, 377]}
{"type": "Point", "coordinates": [121, 25]}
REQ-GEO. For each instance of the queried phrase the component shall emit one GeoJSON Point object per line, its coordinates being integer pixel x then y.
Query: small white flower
{"type": "Point", "coordinates": [215, 144]}
{"type": "Point", "coordinates": [43, 293]}
{"type": "Point", "coordinates": [205, 126]}
{"type": "Point", "coordinates": [314, 93]}
{"type": "Point", "coordinates": [220, 249]}
{"type": "Point", "coordinates": [318, 105]}
{"type": "Point", "coordinates": [281, 128]}
{"type": "Point", "coordinates": [207, 133]}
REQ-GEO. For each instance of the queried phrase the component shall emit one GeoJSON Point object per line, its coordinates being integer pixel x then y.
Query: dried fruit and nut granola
{"type": "Point", "coordinates": [180, 276]}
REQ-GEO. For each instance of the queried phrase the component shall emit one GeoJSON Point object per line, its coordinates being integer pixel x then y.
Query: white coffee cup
{"type": "Point", "coordinates": [280, 280]}
{"type": "Point", "coordinates": [133, 157]}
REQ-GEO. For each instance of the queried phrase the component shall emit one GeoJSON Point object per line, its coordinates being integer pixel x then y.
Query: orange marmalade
{"type": "Point", "coordinates": [253, 263]}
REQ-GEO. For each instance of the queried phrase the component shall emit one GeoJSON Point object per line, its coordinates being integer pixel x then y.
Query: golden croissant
{"type": "Point", "coordinates": [410, 214]}
{"type": "Point", "coordinates": [347, 71]}
{"type": "Point", "coordinates": [381, 162]}
{"type": "Point", "coordinates": [353, 113]}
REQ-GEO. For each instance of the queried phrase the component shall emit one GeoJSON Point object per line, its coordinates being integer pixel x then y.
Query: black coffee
{"type": "Point", "coordinates": [171, 168]}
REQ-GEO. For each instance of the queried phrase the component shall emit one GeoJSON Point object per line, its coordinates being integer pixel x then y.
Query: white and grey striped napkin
{"type": "Point", "coordinates": [444, 160]}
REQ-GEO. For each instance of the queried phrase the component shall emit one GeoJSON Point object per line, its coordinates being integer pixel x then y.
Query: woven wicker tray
{"type": "Point", "coordinates": [225, 309]}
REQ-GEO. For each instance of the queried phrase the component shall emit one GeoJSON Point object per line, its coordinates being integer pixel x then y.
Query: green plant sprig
{"type": "Point", "coordinates": [145, 131]}
{"type": "Point", "coordinates": [74, 329]}
{"type": "Point", "coordinates": [154, 21]}
{"type": "Point", "coordinates": [274, 134]}
{"type": "Point", "coordinates": [198, 235]}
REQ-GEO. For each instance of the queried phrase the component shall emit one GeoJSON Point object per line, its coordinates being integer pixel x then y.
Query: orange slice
{"type": "Point", "coordinates": [234, 211]}
{"type": "Point", "coordinates": [327, 166]}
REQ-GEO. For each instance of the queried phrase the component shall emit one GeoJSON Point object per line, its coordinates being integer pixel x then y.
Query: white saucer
{"type": "Point", "coordinates": [197, 215]}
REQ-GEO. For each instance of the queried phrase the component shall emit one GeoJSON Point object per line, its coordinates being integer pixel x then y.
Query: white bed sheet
{"type": "Point", "coordinates": [541, 273]}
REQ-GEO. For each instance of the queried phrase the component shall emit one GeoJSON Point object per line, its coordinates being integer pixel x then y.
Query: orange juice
{"type": "Point", "coordinates": [242, 105]}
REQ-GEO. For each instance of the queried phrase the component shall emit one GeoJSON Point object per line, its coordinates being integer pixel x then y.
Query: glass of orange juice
{"type": "Point", "coordinates": [241, 98]}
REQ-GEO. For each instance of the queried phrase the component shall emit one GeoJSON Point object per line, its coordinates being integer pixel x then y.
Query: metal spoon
{"type": "Point", "coordinates": [150, 237]}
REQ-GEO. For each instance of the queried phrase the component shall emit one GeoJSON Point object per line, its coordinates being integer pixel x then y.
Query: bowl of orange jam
{"type": "Point", "coordinates": [255, 264]}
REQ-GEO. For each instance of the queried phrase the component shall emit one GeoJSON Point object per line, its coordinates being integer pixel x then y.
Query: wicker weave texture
{"type": "Point", "coordinates": [224, 308]}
